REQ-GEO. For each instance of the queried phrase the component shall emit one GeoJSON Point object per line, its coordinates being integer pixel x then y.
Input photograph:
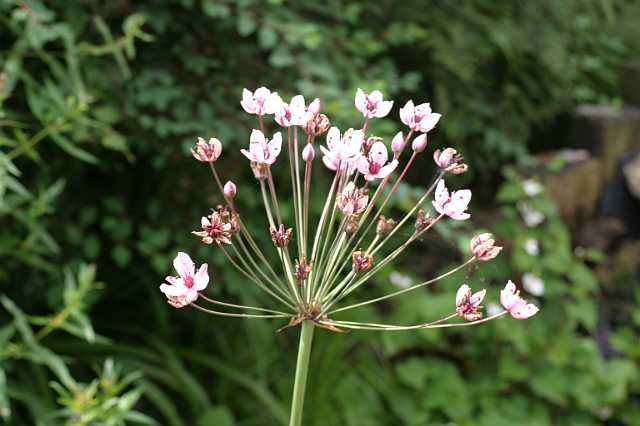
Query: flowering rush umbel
{"type": "Point", "coordinates": [324, 260]}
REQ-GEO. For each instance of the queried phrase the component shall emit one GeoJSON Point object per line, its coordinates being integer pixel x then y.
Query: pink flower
{"type": "Point", "coordinates": [352, 200]}
{"type": "Point", "coordinates": [468, 303]}
{"type": "Point", "coordinates": [371, 104]}
{"type": "Point", "coordinates": [419, 118]}
{"type": "Point", "coordinates": [518, 307]}
{"type": "Point", "coordinates": [372, 165]}
{"type": "Point", "coordinates": [260, 102]}
{"type": "Point", "coordinates": [483, 247]}
{"type": "Point", "coordinates": [296, 113]}
{"type": "Point", "coordinates": [453, 205]}
{"type": "Point", "coordinates": [450, 161]}
{"type": "Point", "coordinates": [342, 153]}
{"type": "Point", "coordinates": [207, 151]}
{"type": "Point", "coordinates": [183, 289]}
{"type": "Point", "coordinates": [214, 229]}
{"type": "Point", "coordinates": [261, 150]}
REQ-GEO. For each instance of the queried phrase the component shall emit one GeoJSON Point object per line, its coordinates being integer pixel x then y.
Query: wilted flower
{"type": "Point", "coordinates": [422, 221]}
{"type": "Point", "coordinates": [281, 236]}
{"type": "Point", "coordinates": [229, 190]}
{"type": "Point", "coordinates": [361, 261]}
{"type": "Point", "coordinates": [261, 150]}
{"type": "Point", "coordinates": [453, 205]}
{"type": "Point", "coordinates": [468, 303]}
{"type": "Point", "coordinates": [419, 118]}
{"type": "Point", "coordinates": [183, 289]}
{"type": "Point", "coordinates": [532, 187]}
{"type": "Point", "coordinates": [317, 125]}
{"type": "Point", "coordinates": [352, 200]}
{"type": "Point", "coordinates": [384, 226]}
{"type": "Point", "coordinates": [483, 247]}
{"type": "Point", "coordinates": [302, 269]}
{"type": "Point", "coordinates": [296, 113]}
{"type": "Point", "coordinates": [207, 151]}
{"type": "Point", "coordinates": [450, 161]}
{"type": "Point", "coordinates": [260, 102]}
{"type": "Point", "coordinates": [214, 229]}
{"type": "Point", "coordinates": [518, 307]}
{"type": "Point", "coordinates": [371, 104]}
{"type": "Point", "coordinates": [533, 284]}
{"type": "Point", "coordinates": [343, 152]}
{"type": "Point", "coordinates": [373, 166]}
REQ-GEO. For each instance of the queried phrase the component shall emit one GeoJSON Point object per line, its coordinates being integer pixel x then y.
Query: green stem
{"type": "Point", "coordinates": [302, 368]}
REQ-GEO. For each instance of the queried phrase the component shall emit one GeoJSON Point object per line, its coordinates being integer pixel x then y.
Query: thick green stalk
{"type": "Point", "coordinates": [302, 368]}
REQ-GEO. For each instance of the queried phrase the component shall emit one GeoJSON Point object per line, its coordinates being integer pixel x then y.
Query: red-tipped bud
{"type": "Point", "coordinates": [308, 153]}
{"type": "Point", "coordinates": [420, 143]}
{"type": "Point", "coordinates": [230, 190]}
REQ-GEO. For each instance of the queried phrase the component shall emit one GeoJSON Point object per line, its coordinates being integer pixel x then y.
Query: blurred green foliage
{"type": "Point", "coordinates": [99, 103]}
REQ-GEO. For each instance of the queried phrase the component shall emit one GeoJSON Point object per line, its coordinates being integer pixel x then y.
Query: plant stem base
{"type": "Point", "coordinates": [302, 368]}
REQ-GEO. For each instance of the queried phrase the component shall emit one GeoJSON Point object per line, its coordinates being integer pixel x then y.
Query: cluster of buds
{"type": "Point", "coordinates": [363, 182]}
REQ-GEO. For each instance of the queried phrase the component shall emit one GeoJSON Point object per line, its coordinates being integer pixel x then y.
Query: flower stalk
{"type": "Point", "coordinates": [344, 254]}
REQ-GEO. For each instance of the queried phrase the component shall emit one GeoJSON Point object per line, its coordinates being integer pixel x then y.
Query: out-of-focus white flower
{"type": "Point", "coordinates": [531, 217]}
{"type": "Point", "coordinates": [532, 187]}
{"type": "Point", "coordinates": [400, 280]}
{"type": "Point", "coordinates": [493, 309]}
{"type": "Point", "coordinates": [532, 247]}
{"type": "Point", "coordinates": [533, 284]}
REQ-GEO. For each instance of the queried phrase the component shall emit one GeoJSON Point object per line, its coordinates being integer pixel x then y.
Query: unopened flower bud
{"type": "Point", "coordinates": [361, 261]}
{"type": "Point", "coordinates": [483, 247]}
{"type": "Point", "coordinates": [397, 144]}
{"type": "Point", "coordinates": [450, 161]}
{"type": "Point", "coordinates": [420, 143]}
{"type": "Point", "coordinates": [352, 225]}
{"type": "Point", "coordinates": [384, 226]}
{"type": "Point", "coordinates": [229, 190]}
{"type": "Point", "coordinates": [207, 151]}
{"type": "Point", "coordinates": [308, 153]}
{"type": "Point", "coordinates": [317, 125]}
{"type": "Point", "coordinates": [302, 269]}
{"type": "Point", "coordinates": [423, 221]}
{"type": "Point", "coordinates": [281, 236]}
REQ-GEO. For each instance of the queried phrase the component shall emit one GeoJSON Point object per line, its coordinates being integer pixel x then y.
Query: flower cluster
{"type": "Point", "coordinates": [324, 259]}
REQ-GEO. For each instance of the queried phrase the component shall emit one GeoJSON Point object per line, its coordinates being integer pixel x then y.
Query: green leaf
{"type": "Point", "coordinates": [217, 415]}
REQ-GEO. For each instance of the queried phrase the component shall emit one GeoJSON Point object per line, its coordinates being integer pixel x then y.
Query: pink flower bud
{"type": "Point", "coordinates": [420, 143]}
{"type": "Point", "coordinates": [397, 144]}
{"type": "Point", "coordinates": [230, 190]}
{"type": "Point", "coordinates": [308, 153]}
